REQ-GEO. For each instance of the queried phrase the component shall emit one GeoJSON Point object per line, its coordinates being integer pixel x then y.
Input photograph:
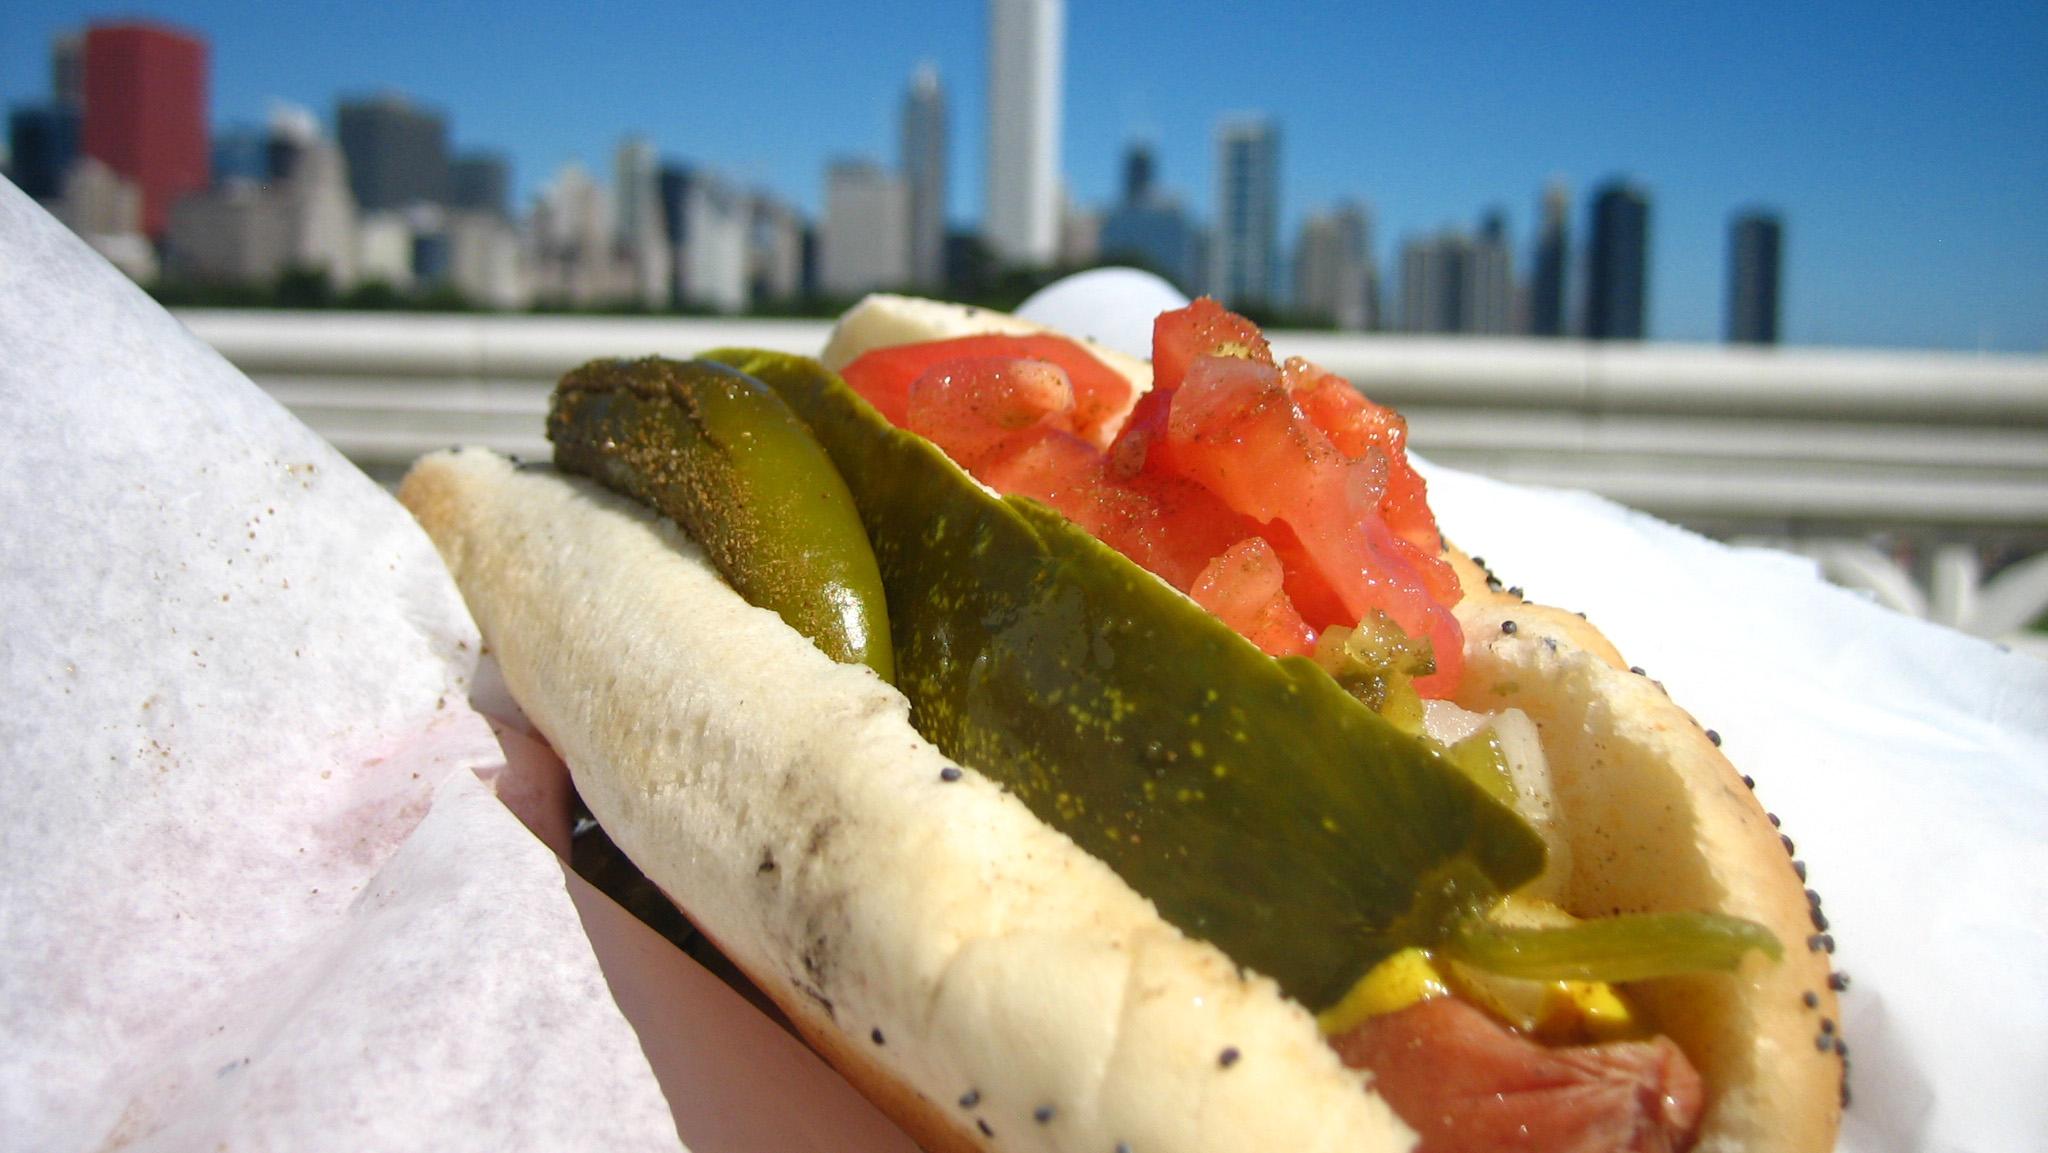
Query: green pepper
{"type": "Point", "coordinates": [1634, 947]}
{"type": "Point", "coordinates": [723, 456]}
{"type": "Point", "coordinates": [1259, 805]}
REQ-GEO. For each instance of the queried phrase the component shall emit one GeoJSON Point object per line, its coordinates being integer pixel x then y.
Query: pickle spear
{"type": "Point", "coordinates": [724, 457]}
{"type": "Point", "coordinates": [1255, 802]}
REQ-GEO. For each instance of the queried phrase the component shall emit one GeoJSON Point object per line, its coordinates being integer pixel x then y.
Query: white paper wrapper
{"type": "Point", "coordinates": [257, 891]}
{"type": "Point", "coordinates": [1909, 763]}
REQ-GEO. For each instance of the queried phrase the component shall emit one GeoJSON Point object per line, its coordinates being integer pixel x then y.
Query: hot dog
{"type": "Point", "coordinates": [997, 986]}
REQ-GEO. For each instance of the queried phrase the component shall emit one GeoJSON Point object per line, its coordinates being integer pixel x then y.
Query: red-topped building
{"type": "Point", "coordinates": [145, 112]}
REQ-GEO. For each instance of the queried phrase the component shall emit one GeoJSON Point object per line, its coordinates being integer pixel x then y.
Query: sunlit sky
{"type": "Point", "coordinates": [1905, 145]}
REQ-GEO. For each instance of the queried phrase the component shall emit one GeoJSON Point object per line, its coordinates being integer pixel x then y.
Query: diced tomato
{"type": "Point", "coordinates": [1234, 429]}
{"type": "Point", "coordinates": [1143, 433]}
{"type": "Point", "coordinates": [1359, 428]}
{"type": "Point", "coordinates": [1204, 328]}
{"type": "Point", "coordinates": [1191, 524]}
{"type": "Point", "coordinates": [1464, 1082]}
{"type": "Point", "coordinates": [1101, 394]}
{"type": "Point", "coordinates": [1243, 586]}
{"type": "Point", "coordinates": [1048, 465]}
{"type": "Point", "coordinates": [1307, 587]}
{"type": "Point", "coordinates": [971, 407]}
{"type": "Point", "coordinates": [1276, 495]}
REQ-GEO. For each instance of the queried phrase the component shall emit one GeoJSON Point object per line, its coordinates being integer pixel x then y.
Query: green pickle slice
{"type": "Point", "coordinates": [721, 455]}
{"type": "Point", "coordinates": [1258, 805]}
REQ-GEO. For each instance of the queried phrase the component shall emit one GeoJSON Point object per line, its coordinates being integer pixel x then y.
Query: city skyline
{"type": "Point", "coordinates": [1915, 217]}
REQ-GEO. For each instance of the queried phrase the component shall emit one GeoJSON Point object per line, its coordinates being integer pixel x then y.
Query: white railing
{"type": "Point", "coordinates": [1818, 449]}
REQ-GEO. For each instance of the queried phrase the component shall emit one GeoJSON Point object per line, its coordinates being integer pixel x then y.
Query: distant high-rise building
{"type": "Point", "coordinates": [42, 146]}
{"type": "Point", "coordinates": [1618, 263]}
{"type": "Point", "coordinates": [433, 251]}
{"type": "Point", "coordinates": [145, 113]}
{"type": "Point", "coordinates": [1244, 260]}
{"type": "Point", "coordinates": [672, 190]}
{"type": "Point", "coordinates": [384, 250]}
{"type": "Point", "coordinates": [481, 182]}
{"type": "Point", "coordinates": [1549, 266]}
{"type": "Point", "coordinates": [320, 211]}
{"type": "Point", "coordinates": [1140, 167]}
{"type": "Point", "coordinates": [1489, 292]}
{"type": "Point", "coordinates": [252, 227]}
{"type": "Point", "coordinates": [237, 234]}
{"type": "Point", "coordinates": [1022, 220]}
{"type": "Point", "coordinates": [484, 262]}
{"type": "Point", "coordinates": [1333, 270]}
{"type": "Point", "coordinates": [638, 231]}
{"type": "Point", "coordinates": [1754, 243]}
{"type": "Point", "coordinates": [294, 131]}
{"type": "Point", "coordinates": [67, 71]}
{"type": "Point", "coordinates": [712, 256]}
{"type": "Point", "coordinates": [1080, 234]}
{"type": "Point", "coordinates": [1434, 282]}
{"type": "Point", "coordinates": [1152, 229]}
{"type": "Point", "coordinates": [572, 236]}
{"type": "Point", "coordinates": [867, 224]}
{"type": "Point", "coordinates": [708, 222]}
{"type": "Point", "coordinates": [775, 251]}
{"type": "Point", "coordinates": [636, 178]}
{"type": "Point", "coordinates": [924, 172]}
{"type": "Point", "coordinates": [397, 153]}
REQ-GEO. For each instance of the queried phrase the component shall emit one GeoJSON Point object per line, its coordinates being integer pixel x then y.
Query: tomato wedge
{"type": "Point", "coordinates": [1101, 394]}
{"type": "Point", "coordinates": [1204, 328]}
{"type": "Point", "coordinates": [1243, 586]}
{"type": "Point", "coordinates": [972, 408]}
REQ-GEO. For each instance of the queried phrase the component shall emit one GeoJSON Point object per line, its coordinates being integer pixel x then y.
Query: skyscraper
{"type": "Point", "coordinates": [1434, 283]}
{"type": "Point", "coordinates": [1754, 241]}
{"type": "Point", "coordinates": [707, 221]}
{"type": "Point", "coordinates": [480, 182]}
{"type": "Point", "coordinates": [775, 250]}
{"type": "Point", "coordinates": [1139, 168]}
{"type": "Point", "coordinates": [1618, 263]}
{"type": "Point", "coordinates": [867, 224]}
{"type": "Point", "coordinates": [1243, 262]}
{"type": "Point", "coordinates": [1022, 220]}
{"type": "Point", "coordinates": [1151, 228]}
{"type": "Point", "coordinates": [1489, 290]}
{"type": "Point", "coordinates": [397, 153]}
{"type": "Point", "coordinates": [924, 171]}
{"type": "Point", "coordinates": [67, 71]}
{"type": "Point", "coordinates": [636, 207]}
{"type": "Point", "coordinates": [42, 144]}
{"type": "Point", "coordinates": [1334, 278]}
{"type": "Point", "coordinates": [145, 112]}
{"type": "Point", "coordinates": [1551, 262]}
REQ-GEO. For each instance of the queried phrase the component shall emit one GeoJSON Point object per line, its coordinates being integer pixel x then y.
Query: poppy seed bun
{"type": "Point", "coordinates": [931, 937]}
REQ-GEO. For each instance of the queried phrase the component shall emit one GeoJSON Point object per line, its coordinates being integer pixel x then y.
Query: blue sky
{"type": "Point", "coordinates": [1906, 147]}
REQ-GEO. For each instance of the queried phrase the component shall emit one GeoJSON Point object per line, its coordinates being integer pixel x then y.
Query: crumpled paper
{"type": "Point", "coordinates": [1908, 762]}
{"type": "Point", "coordinates": [256, 890]}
